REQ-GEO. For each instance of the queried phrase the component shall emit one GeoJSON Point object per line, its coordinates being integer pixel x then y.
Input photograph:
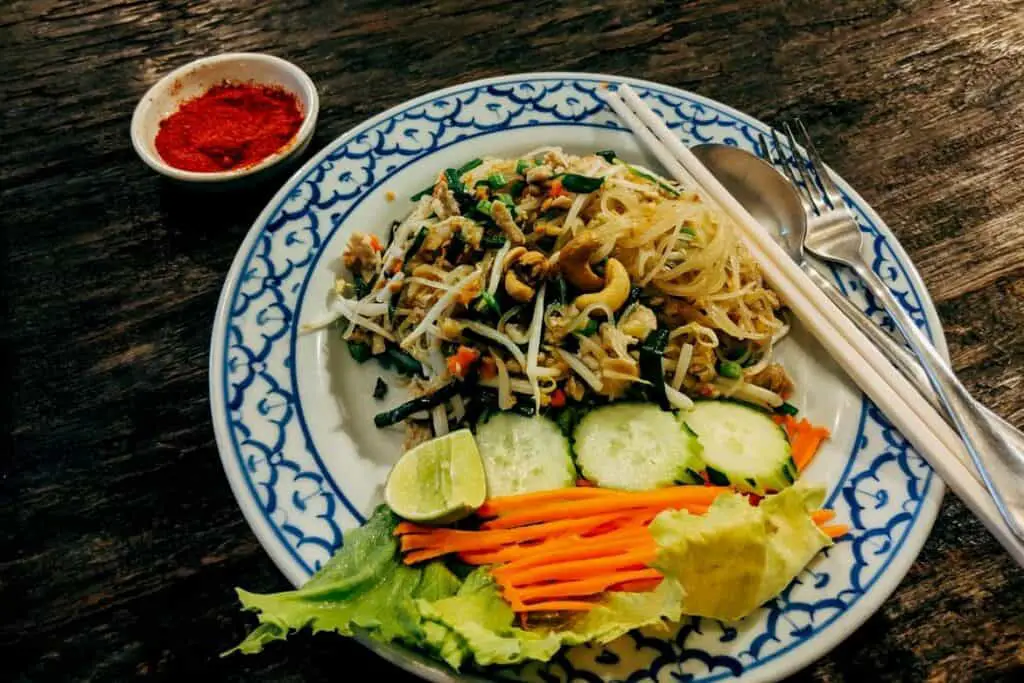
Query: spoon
{"type": "Point", "coordinates": [774, 202]}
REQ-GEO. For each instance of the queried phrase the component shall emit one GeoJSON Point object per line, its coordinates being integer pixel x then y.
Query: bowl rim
{"type": "Point", "coordinates": [305, 131]}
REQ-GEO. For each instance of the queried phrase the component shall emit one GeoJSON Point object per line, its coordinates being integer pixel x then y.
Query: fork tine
{"type": "Point", "coordinates": [763, 151]}
{"type": "Point", "coordinates": [807, 197]}
{"type": "Point", "coordinates": [835, 197]}
{"type": "Point", "coordinates": [819, 198]}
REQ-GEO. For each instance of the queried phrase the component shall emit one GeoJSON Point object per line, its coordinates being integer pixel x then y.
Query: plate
{"type": "Point", "coordinates": [292, 412]}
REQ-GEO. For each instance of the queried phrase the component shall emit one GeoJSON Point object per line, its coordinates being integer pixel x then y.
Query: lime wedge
{"type": "Point", "coordinates": [439, 481]}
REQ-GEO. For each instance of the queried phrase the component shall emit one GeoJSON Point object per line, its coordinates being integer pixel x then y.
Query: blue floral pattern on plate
{"type": "Point", "coordinates": [299, 510]}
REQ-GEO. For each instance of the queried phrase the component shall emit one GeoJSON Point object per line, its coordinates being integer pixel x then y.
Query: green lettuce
{"type": "Point", "coordinates": [483, 626]}
{"type": "Point", "coordinates": [736, 557]}
{"type": "Point", "coordinates": [363, 586]}
{"type": "Point", "coordinates": [723, 565]}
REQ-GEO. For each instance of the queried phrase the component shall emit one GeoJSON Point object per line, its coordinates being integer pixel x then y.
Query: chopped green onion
{"type": "Point", "coordinates": [486, 300]}
{"type": "Point", "coordinates": [607, 154]}
{"type": "Point", "coordinates": [454, 179]}
{"type": "Point", "coordinates": [516, 188]}
{"type": "Point", "coordinates": [484, 207]}
{"type": "Point", "coordinates": [787, 408]}
{"type": "Point", "coordinates": [730, 369]}
{"type": "Point", "coordinates": [687, 230]}
{"type": "Point", "coordinates": [359, 351]}
{"type": "Point", "coordinates": [506, 199]}
{"type": "Point", "coordinates": [496, 180]}
{"type": "Point", "coordinates": [581, 183]}
{"type": "Point", "coordinates": [523, 165]}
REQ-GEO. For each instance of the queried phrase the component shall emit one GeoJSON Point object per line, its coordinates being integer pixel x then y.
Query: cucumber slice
{"type": "Point", "coordinates": [523, 454]}
{"type": "Point", "coordinates": [743, 447]}
{"type": "Point", "coordinates": [636, 446]}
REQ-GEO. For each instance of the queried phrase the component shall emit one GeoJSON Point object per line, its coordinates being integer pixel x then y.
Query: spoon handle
{"type": "Point", "coordinates": [999, 462]}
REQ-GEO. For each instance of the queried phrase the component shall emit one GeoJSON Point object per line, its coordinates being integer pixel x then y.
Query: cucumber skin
{"type": "Point", "coordinates": [785, 476]}
{"type": "Point", "coordinates": [688, 472]}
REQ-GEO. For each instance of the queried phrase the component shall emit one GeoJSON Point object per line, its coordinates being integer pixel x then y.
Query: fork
{"type": "Point", "coordinates": [834, 235]}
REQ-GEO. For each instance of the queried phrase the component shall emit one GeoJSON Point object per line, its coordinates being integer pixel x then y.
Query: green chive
{"type": "Point", "coordinates": [484, 207]}
{"type": "Point", "coordinates": [581, 183]}
{"type": "Point", "coordinates": [506, 199]}
{"type": "Point", "coordinates": [589, 329]}
{"type": "Point", "coordinates": [523, 165]}
{"type": "Point", "coordinates": [468, 166]}
{"type": "Point", "coordinates": [496, 180]}
{"type": "Point", "coordinates": [487, 300]}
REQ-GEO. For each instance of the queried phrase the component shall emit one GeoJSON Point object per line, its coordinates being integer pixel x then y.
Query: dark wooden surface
{"type": "Point", "coordinates": [119, 538]}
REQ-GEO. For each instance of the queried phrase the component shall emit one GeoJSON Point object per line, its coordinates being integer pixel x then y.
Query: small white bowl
{"type": "Point", "coordinates": [197, 77]}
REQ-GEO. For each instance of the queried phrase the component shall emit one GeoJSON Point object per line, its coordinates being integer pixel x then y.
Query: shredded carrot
{"type": "Point", "coordinates": [556, 189]}
{"type": "Point", "coordinates": [580, 569]}
{"type": "Point", "coordinates": [673, 497]}
{"type": "Point", "coordinates": [835, 530]}
{"type": "Point", "coordinates": [462, 360]}
{"type": "Point", "coordinates": [588, 586]}
{"type": "Point", "coordinates": [804, 438]}
{"type": "Point", "coordinates": [822, 516]}
{"type": "Point", "coordinates": [458, 541]}
{"type": "Point", "coordinates": [575, 547]}
{"type": "Point", "coordinates": [375, 243]}
{"type": "Point", "coordinates": [505, 504]}
{"type": "Point", "coordinates": [512, 553]}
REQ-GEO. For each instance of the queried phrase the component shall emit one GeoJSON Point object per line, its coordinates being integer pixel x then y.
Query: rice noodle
{"type": "Point", "coordinates": [581, 369]}
{"type": "Point", "coordinates": [682, 365]}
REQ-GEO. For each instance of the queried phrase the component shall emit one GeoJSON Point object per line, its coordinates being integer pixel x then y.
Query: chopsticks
{"type": "Point", "coordinates": [916, 419]}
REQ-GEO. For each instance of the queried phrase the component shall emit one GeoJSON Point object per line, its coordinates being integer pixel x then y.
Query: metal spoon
{"type": "Point", "coordinates": [774, 202]}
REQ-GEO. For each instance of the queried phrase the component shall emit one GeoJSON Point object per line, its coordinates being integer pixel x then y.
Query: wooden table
{"type": "Point", "coordinates": [120, 541]}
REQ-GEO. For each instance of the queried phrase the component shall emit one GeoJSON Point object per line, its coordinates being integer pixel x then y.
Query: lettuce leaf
{"type": "Point", "coordinates": [483, 624]}
{"type": "Point", "coordinates": [736, 557]}
{"type": "Point", "coordinates": [363, 586]}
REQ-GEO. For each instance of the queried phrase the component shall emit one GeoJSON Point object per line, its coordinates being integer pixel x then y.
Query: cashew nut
{"type": "Point", "coordinates": [616, 288]}
{"type": "Point", "coordinates": [523, 268]}
{"type": "Point", "coordinates": [517, 289]}
{"type": "Point", "coordinates": [574, 262]}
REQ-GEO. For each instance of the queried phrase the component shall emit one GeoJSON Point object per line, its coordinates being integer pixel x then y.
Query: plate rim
{"type": "Point", "coordinates": [826, 639]}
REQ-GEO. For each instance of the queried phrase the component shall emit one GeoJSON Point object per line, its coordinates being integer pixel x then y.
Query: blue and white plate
{"type": "Point", "coordinates": [293, 412]}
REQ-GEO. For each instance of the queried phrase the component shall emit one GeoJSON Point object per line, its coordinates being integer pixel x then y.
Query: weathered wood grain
{"type": "Point", "coordinates": [120, 540]}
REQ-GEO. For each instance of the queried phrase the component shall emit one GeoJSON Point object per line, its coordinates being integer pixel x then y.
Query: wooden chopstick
{"type": "Point", "coordinates": [895, 396]}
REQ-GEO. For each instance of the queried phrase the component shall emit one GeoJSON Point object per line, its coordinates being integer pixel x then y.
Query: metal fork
{"type": "Point", "coordinates": [833, 235]}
